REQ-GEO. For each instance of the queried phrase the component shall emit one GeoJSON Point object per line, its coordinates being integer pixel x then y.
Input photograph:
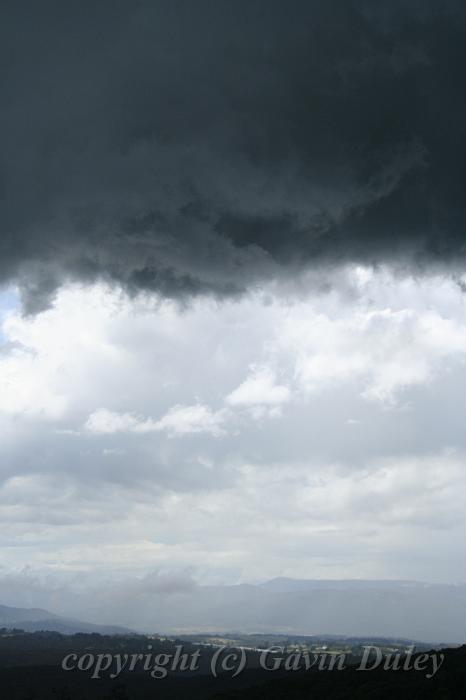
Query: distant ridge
{"type": "Point", "coordinates": [282, 584]}
{"type": "Point", "coordinates": [38, 620]}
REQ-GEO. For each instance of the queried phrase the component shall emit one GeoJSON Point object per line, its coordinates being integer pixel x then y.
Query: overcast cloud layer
{"type": "Point", "coordinates": [204, 147]}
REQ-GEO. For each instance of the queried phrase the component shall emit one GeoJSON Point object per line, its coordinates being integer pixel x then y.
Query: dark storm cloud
{"type": "Point", "coordinates": [200, 147]}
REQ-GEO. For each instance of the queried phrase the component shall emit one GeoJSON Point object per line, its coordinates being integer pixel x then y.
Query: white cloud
{"type": "Point", "coordinates": [179, 420]}
{"type": "Point", "coordinates": [25, 387]}
{"type": "Point", "coordinates": [385, 350]}
{"type": "Point", "coordinates": [259, 389]}
{"type": "Point", "coordinates": [107, 422]}
{"type": "Point", "coordinates": [182, 420]}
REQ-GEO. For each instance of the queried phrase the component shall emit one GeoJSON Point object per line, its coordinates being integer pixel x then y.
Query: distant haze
{"type": "Point", "coordinates": [412, 610]}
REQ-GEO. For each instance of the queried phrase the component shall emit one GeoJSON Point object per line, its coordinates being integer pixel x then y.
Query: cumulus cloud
{"type": "Point", "coordinates": [182, 420]}
{"type": "Point", "coordinates": [259, 389]}
{"type": "Point", "coordinates": [390, 350]}
{"type": "Point", "coordinates": [179, 420]}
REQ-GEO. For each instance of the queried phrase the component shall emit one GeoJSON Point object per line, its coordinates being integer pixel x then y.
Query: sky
{"type": "Point", "coordinates": [232, 292]}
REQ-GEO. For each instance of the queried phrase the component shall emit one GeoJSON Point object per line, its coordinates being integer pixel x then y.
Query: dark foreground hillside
{"type": "Point", "coordinates": [449, 684]}
{"type": "Point", "coordinates": [31, 669]}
